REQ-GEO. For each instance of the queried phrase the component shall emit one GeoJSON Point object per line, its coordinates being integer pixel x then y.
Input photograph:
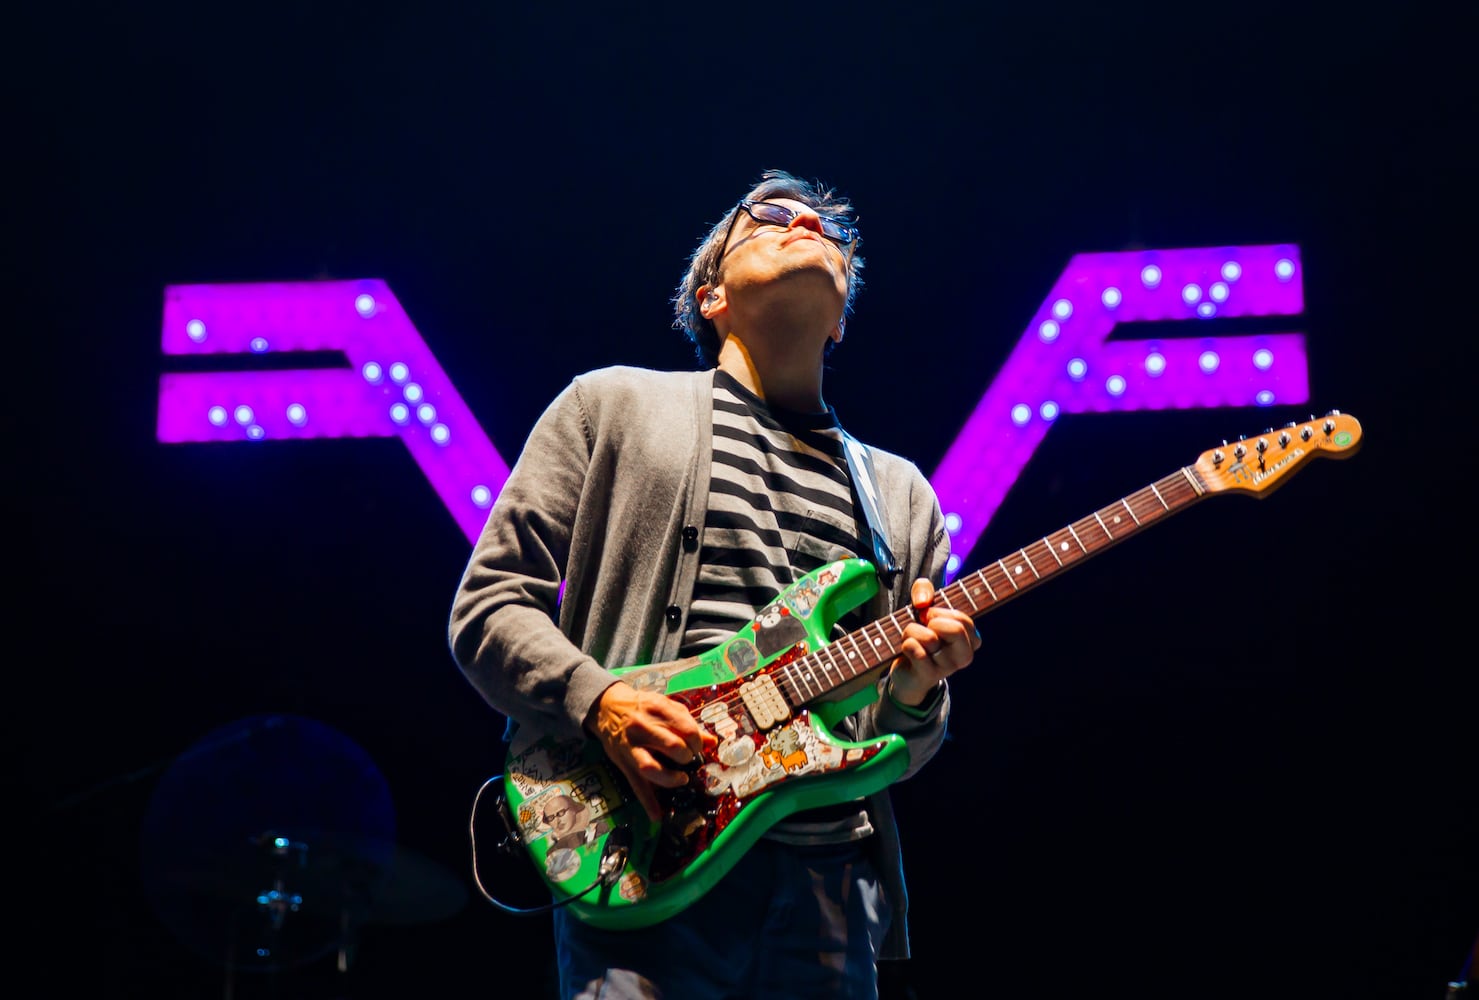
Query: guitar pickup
{"type": "Point", "coordinates": [765, 702]}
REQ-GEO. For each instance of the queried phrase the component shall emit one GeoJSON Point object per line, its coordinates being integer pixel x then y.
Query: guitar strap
{"type": "Point", "coordinates": [860, 465]}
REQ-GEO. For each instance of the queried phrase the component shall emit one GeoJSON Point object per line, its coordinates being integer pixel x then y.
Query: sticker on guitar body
{"type": "Point", "coordinates": [566, 803]}
{"type": "Point", "coordinates": [745, 766]}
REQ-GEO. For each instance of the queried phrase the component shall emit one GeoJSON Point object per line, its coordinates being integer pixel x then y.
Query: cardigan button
{"type": "Point", "coordinates": [674, 615]}
{"type": "Point", "coordinates": [690, 537]}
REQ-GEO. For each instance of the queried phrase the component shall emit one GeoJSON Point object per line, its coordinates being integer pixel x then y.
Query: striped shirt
{"type": "Point", "coordinates": [780, 506]}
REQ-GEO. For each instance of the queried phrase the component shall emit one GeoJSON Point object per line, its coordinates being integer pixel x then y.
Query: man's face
{"type": "Point", "coordinates": [794, 261]}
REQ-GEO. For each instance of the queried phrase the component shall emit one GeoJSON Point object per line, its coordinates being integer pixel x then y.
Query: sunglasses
{"type": "Point", "coordinates": [768, 213]}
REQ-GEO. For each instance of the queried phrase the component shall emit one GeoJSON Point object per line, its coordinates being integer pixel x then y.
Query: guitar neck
{"type": "Point", "coordinates": [989, 588]}
{"type": "Point", "coordinates": [862, 650]}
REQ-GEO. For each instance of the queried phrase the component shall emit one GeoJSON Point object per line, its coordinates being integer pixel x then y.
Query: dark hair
{"type": "Point", "coordinates": [704, 264]}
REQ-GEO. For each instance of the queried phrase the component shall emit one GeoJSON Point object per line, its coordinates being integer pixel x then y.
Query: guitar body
{"type": "Point", "coordinates": [775, 755]}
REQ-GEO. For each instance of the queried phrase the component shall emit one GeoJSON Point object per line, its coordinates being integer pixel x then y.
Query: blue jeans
{"type": "Point", "coordinates": [803, 922]}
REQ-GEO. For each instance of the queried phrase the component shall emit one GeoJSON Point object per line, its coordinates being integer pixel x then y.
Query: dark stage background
{"type": "Point", "coordinates": [1231, 758]}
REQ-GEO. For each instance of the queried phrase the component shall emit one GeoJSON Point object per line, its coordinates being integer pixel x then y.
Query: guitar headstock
{"type": "Point", "coordinates": [1261, 463]}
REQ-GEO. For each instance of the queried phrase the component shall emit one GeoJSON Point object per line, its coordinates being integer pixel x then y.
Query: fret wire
{"type": "Point", "coordinates": [785, 679]}
{"type": "Point", "coordinates": [841, 668]}
{"type": "Point", "coordinates": [965, 591]}
{"type": "Point", "coordinates": [877, 637]}
{"type": "Point", "coordinates": [802, 674]}
{"type": "Point", "coordinates": [1053, 552]}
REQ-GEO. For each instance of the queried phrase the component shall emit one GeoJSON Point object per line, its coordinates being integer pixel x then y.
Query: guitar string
{"type": "Point", "coordinates": [789, 670]}
{"type": "Point", "coordinates": [1144, 505]}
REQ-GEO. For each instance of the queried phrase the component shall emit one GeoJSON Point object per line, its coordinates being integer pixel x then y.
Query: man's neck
{"type": "Point", "coordinates": [783, 377]}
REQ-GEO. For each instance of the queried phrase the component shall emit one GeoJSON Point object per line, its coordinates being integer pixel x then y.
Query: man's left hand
{"type": "Point", "coordinates": [936, 644]}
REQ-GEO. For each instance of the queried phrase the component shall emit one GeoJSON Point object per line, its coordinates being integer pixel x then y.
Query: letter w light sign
{"type": "Point", "coordinates": [1065, 362]}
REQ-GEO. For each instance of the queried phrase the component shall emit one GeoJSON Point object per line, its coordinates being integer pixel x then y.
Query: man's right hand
{"type": "Point", "coordinates": [648, 736]}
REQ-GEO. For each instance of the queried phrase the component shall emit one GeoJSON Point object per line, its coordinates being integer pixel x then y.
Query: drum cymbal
{"type": "Point", "coordinates": [282, 900]}
{"type": "Point", "coordinates": [324, 872]}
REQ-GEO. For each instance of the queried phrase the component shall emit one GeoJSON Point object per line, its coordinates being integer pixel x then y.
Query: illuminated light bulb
{"type": "Point", "coordinates": [372, 372]}
{"type": "Point", "coordinates": [1208, 361]}
{"type": "Point", "coordinates": [1063, 309]}
{"type": "Point", "coordinates": [364, 305]}
{"type": "Point", "coordinates": [255, 432]}
{"type": "Point", "coordinates": [440, 434]}
{"type": "Point", "coordinates": [243, 415]}
{"type": "Point", "coordinates": [1021, 413]}
{"type": "Point", "coordinates": [1284, 268]}
{"type": "Point", "coordinates": [1191, 293]}
{"type": "Point", "coordinates": [1263, 359]}
{"type": "Point", "coordinates": [297, 415]}
{"type": "Point", "coordinates": [217, 415]}
{"type": "Point", "coordinates": [399, 372]}
{"type": "Point", "coordinates": [1264, 397]}
{"type": "Point", "coordinates": [1206, 310]}
{"type": "Point", "coordinates": [952, 564]}
{"type": "Point", "coordinates": [195, 330]}
{"type": "Point", "coordinates": [400, 412]}
{"type": "Point", "coordinates": [1218, 292]}
{"type": "Point", "coordinates": [258, 345]}
{"type": "Point", "coordinates": [1077, 369]}
{"type": "Point", "coordinates": [952, 523]}
{"type": "Point", "coordinates": [426, 413]}
{"type": "Point", "coordinates": [1111, 297]}
{"type": "Point", "coordinates": [1115, 385]}
{"type": "Point", "coordinates": [481, 496]}
{"type": "Point", "coordinates": [1155, 363]}
{"type": "Point", "coordinates": [412, 392]}
{"type": "Point", "coordinates": [1048, 331]}
{"type": "Point", "coordinates": [1232, 271]}
{"type": "Point", "coordinates": [1150, 276]}
{"type": "Point", "coordinates": [1048, 410]}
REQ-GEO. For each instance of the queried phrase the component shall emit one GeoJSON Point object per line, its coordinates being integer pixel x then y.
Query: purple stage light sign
{"type": "Point", "coordinates": [393, 387]}
{"type": "Point", "coordinates": [1065, 362]}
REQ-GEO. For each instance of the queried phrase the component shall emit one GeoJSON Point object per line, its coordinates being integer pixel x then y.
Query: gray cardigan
{"type": "Point", "coordinates": [614, 470]}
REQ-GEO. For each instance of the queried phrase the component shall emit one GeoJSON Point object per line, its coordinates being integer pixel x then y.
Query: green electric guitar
{"type": "Point", "coordinates": [773, 693]}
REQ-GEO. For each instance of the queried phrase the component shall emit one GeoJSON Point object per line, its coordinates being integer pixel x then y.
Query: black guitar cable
{"type": "Point", "coordinates": [613, 855]}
